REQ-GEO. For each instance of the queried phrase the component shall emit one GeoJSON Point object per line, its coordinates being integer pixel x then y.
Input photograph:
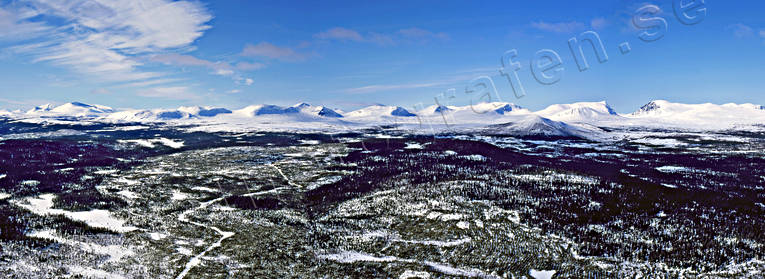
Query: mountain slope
{"type": "Point", "coordinates": [73, 109]}
{"type": "Point", "coordinates": [379, 111]}
{"type": "Point", "coordinates": [698, 116]}
{"type": "Point", "coordinates": [555, 120]}
{"type": "Point", "coordinates": [579, 112]}
{"type": "Point", "coordinates": [299, 109]}
{"type": "Point", "coordinates": [537, 126]}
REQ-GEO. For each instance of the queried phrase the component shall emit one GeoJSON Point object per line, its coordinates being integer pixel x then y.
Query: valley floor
{"type": "Point", "coordinates": [308, 206]}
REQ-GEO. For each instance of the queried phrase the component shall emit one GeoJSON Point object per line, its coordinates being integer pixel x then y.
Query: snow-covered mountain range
{"type": "Point", "coordinates": [577, 119]}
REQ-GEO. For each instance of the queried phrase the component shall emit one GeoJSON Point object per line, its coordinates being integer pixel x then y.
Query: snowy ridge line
{"type": "Point", "coordinates": [555, 120]}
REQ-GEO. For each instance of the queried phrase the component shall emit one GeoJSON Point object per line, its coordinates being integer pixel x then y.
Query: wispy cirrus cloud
{"type": "Point", "coordinates": [149, 82]}
{"type": "Point", "coordinates": [100, 91]}
{"type": "Point", "coordinates": [271, 51]}
{"type": "Point", "coordinates": [343, 34]}
{"type": "Point", "coordinates": [451, 80]}
{"type": "Point", "coordinates": [101, 39]}
{"type": "Point", "coordinates": [422, 34]}
{"type": "Point", "coordinates": [173, 93]}
{"type": "Point", "coordinates": [220, 68]}
{"type": "Point", "coordinates": [598, 23]}
{"type": "Point", "coordinates": [559, 27]}
{"type": "Point", "coordinates": [741, 30]}
{"type": "Point", "coordinates": [389, 87]}
{"type": "Point", "coordinates": [381, 39]}
{"type": "Point", "coordinates": [340, 33]}
{"type": "Point", "coordinates": [15, 24]}
{"type": "Point", "coordinates": [247, 66]}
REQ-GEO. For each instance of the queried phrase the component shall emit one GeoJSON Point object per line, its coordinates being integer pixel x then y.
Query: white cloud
{"type": "Point", "coordinates": [218, 68]}
{"type": "Point", "coordinates": [180, 60]}
{"type": "Point", "coordinates": [224, 72]}
{"type": "Point", "coordinates": [234, 91]}
{"type": "Point", "coordinates": [246, 66]}
{"type": "Point", "coordinates": [340, 33]}
{"type": "Point", "coordinates": [741, 30]}
{"type": "Point", "coordinates": [101, 38]}
{"type": "Point", "coordinates": [378, 88]}
{"type": "Point", "coordinates": [762, 34]}
{"type": "Point", "coordinates": [243, 81]}
{"type": "Point", "coordinates": [598, 23]}
{"type": "Point", "coordinates": [460, 77]}
{"type": "Point", "coordinates": [175, 93]}
{"type": "Point", "coordinates": [560, 27]}
{"type": "Point", "coordinates": [422, 34]}
{"type": "Point", "coordinates": [269, 50]}
{"type": "Point", "coordinates": [14, 24]}
{"type": "Point", "coordinates": [149, 82]}
{"type": "Point", "coordinates": [382, 39]}
{"type": "Point", "coordinates": [100, 91]}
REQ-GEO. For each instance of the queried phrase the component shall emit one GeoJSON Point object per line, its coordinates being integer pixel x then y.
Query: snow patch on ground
{"type": "Point", "coordinates": [660, 142]}
{"type": "Point", "coordinates": [30, 183]}
{"type": "Point", "coordinates": [88, 272]}
{"type": "Point", "coordinates": [115, 252]}
{"type": "Point", "coordinates": [353, 257]}
{"type": "Point", "coordinates": [413, 145]}
{"type": "Point", "coordinates": [97, 218]}
{"type": "Point", "coordinates": [463, 225]}
{"type": "Point", "coordinates": [106, 171]}
{"type": "Point", "coordinates": [152, 143]}
{"type": "Point", "coordinates": [184, 251]}
{"type": "Point", "coordinates": [157, 236]}
{"type": "Point", "coordinates": [179, 196]}
{"type": "Point", "coordinates": [673, 169]}
{"type": "Point", "coordinates": [409, 274]}
{"type": "Point", "coordinates": [309, 142]}
{"type": "Point", "coordinates": [541, 274]}
{"type": "Point", "coordinates": [474, 157]}
{"type": "Point", "coordinates": [127, 194]}
{"type": "Point", "coordinates": [204, 189]}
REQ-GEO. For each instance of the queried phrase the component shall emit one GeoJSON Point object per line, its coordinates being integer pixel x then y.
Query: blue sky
{"type": "Point", "coordinates": [348, 54]}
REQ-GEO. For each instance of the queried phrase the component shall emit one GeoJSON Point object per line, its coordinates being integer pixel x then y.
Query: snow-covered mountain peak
{"type": "Point", "coordinates": [651, 107]}
{"type": "Point", "coordinates": [298, 109]}
{"type": "Point", "coordinates": [399, 111]}
{"type": "Point", "coordinates": [579, 112]}
{"type": "Point", "coordinates": [204, 111]}
{"type": "Point", "coordinates": [664, 108]}
{"type": "Point", "coordinates": [150, 115]}
{"type": "Point", "coordinates": [327, 112]}
{"type": "Point", "coordinates": [301, 105]}
{"type": "Point", "coordinates": [379, 111]}
{"type": "Point", "coordinates": [534, 125]}
{"type": "Point", "coordinates": [582, 115]}
{"type": "Point", "coordinates": [441, 108]}
{"type": "Point", "coordinates": [76, 109]}
{"type": "Point", "coordinates": [43, 108]}
{"type": "Point", "coordinates": [497, 107]}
